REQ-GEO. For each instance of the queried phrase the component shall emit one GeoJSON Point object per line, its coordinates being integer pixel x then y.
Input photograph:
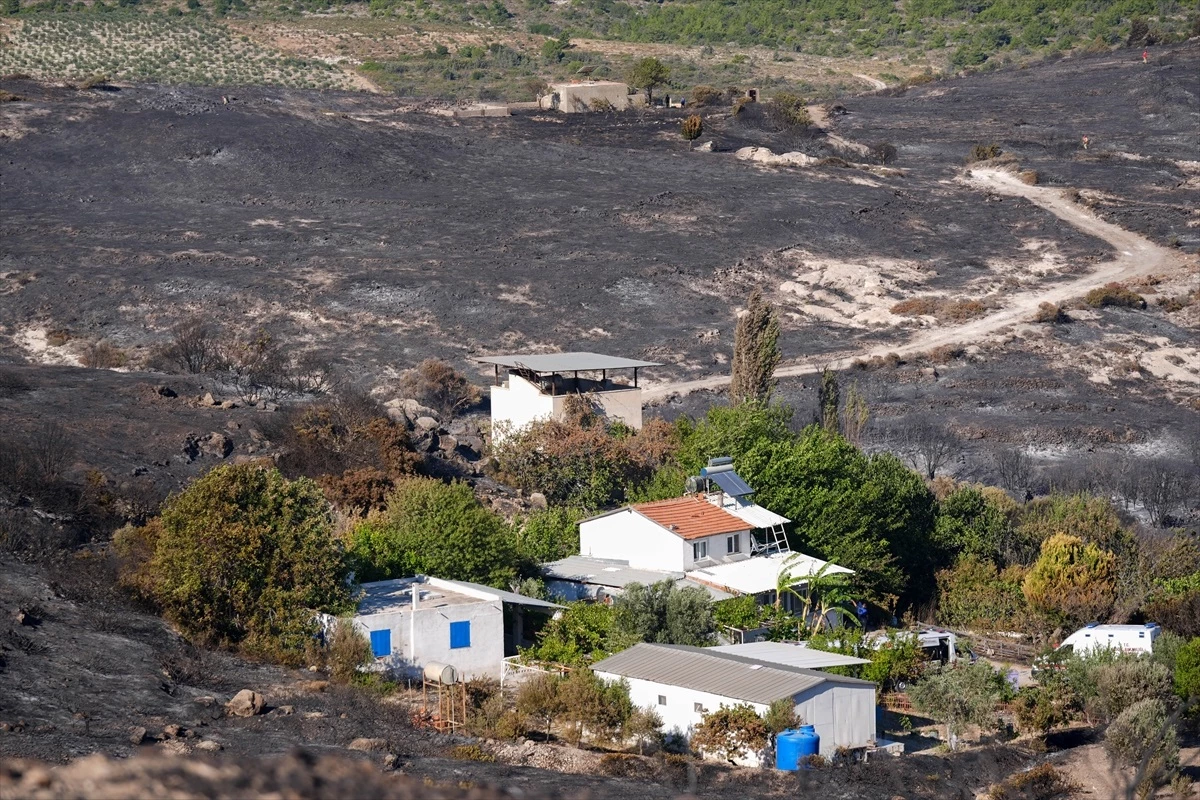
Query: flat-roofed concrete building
{"type": "Point", "coordinates": [535, 387]}
{"type": "Point", "coordinates": [588, 96]}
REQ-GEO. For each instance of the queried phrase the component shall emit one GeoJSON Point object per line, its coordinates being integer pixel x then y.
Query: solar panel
{"type": "Point", "coordinates": [731, 483]}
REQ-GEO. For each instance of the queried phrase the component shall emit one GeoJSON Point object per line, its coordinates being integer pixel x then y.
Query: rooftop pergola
{"type": "Point", "coordinates": [543, 368]}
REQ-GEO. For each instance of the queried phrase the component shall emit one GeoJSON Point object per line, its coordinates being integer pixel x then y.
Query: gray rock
{"type": "Point", "coordinates": [216, 444]}
{"type": "Point", "coordinates": [191, 447]}
{"type": "Point", "coordinates": [415, 410]}
{"type": "Point", "coordinates": [209, 746]}
{"type": "Point", "coordinates": [538, 500]}
{"type": "Point", "coordinates": [425, 443]}
{"type": "Point", "coordinates": [426, 423]}
{"type": "Point", "coordinates": [227, 404]}
{"type": "Point", "coordinates": [366, 745]}
{"type": "Point", "coordinates": [209, 400]}
{"type": "Point", "coordinates": [246, 703]}
{"type": "Point", "coordinates": [137, 735]}
{"type": "Point", "coordinates": [447, 443]}
{"type": "Point", "coordinates": [398, 416]}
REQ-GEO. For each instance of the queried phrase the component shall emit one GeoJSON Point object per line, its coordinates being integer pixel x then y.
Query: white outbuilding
{"type": "Point", "coordinates": [411, 622]}
{"type": "Point", "coordinates": [684, 683]}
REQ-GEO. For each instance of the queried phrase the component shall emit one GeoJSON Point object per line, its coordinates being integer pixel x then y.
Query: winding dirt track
{"type": "Point", "coordinates": [1136, 257]}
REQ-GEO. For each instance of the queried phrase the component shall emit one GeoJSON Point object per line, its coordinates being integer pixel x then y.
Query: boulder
{"type": "Point", "coordinates": [470, 447]}
{"type": "Point", "coordinates": [246, 703]}
{"type": "Point", "coordinates": [227, 404]}
{"type": "Point", "coordinates": [216, 444]}
{"type": "Point", "coordinates": [447, 443]}
{"type": "Point", "coordinates": [425, 443]}
{"type": "Point", "coordinates": [426, 423]}
{"type": "Point", "coordinates": [137, 735]}
{"type": "Point", "coordinates": [172, 731]}
{"type": "Point", "coordinates": [209, 746]}
{"type": "Point", "coordinates": [705, 148]}
{"type": "Point", "coordinates": [398, 416]}
{"type": "Point", "coordinates": [284, 711]}
{"type": "Point", "coordinates": [209, 400]}
{"type": "Point", "coordinates": [191, 447]}
{"type": "Point", "coordinates": [537, 500]}
{"type": "Point", "coordinates": [415, 409]}
{"type": "Point", "coordinates": [366, 745]}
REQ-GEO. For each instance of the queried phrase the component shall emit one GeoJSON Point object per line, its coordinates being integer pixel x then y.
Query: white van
{"type": "Point", "coordinates": [1125, 638]}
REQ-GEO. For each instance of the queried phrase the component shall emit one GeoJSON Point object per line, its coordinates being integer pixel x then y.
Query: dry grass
{"type": "Point", "coordinates": [1029, 176]}
{"type": "Point", "coordinates": [943, 309]}
{"type": "Point", "coordinates": [1114, 294]}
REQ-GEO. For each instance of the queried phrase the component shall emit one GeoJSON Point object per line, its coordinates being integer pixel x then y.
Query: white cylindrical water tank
{"type": "Point", "coordinates": [440, 673]}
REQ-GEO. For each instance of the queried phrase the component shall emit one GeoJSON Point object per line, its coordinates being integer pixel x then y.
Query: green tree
{"type": "Point", "coordinates": [1187, 670]}
{"type": "Point", "coordinates": [828, 400]}
{"type": "Point", "coordinates": [649, 73]}
{"type": "Point", "coordinates": [245, 556]}
{"type": "Point", "coordinates": [755, 352]}
{"type": "Point", "coordinates": [734, 432]}
{"type": "Point", "coordinates": [1127, 680]}
{"type": "Point", "coordinates": [665, 614]}
{"type": "Point", "coordinates": [539, 700]}
{"type": "Point", "coordinates": [12, 7]}
{"type": "Point", "coordinates": [583, 633]}
{"type": "Point", "coordinates": [1145, 734]}
{"type": "Point", "coordinates": [1092, 519]}
{"type": "Point", "coordinates": [1071, 580]}
{"type": "Point", "coordinates": [781, 716]}
{"type": "Point", "coordinates": [974, 593]}
{"type": "Point", "coordinates": [645, 727]}
{"type": "Point", "coordinates": [731, 732]}
{"type": "Point", "coordinates": [1175, 604]}
{"type": "Point", "coordinates": [969, 524]}
{"type": "Point", "coordinates": [742, 612]}
{"type": "Point", "coordinates": [435, 528]}
{"type": "Point", "coordinates": [549, 534]}
{"type": "Point", "coordinates": [960, 696]}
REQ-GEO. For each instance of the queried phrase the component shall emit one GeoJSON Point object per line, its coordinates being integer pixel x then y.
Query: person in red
{"type": "Point", "coordinates": [1145, 56]}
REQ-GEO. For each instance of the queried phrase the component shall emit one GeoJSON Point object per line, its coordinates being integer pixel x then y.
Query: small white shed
{"type": "Point", "coordinates": [411, 622]}
{"type": "Point", "coordinates": [683, 683]}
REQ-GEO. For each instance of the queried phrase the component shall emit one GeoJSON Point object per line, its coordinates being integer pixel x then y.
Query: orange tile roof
{"type": "Point", "coordinates": [691, 517]}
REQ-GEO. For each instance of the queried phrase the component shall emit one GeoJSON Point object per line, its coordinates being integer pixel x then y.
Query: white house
{"type": "Point", "coordinates": [536, 388]}
{"type": "Point", "coordinates": [411, 622]}
{"type": "Point", "coordinates": [684, 683]}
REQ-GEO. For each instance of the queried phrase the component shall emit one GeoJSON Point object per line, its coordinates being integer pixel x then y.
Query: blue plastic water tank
{"type": "Point", "coordinates": [793, 746]}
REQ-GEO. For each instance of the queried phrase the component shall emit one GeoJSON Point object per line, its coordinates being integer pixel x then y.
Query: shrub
{"type": "Point", "coordinates": [883, 153]}
{"type": "Point", "coordinates": [984, 152]}
{"type": "Point", "coordinates": [1175, 604]}
{"type": "Point", "coordinates": [1029, 176]}
{"type": "Point", "coordinates": [691, 127]}
{"type": "Point", "coordinates": [622, 765]}
{"type": "Point", "coordinates": [916, 307]}
{"type": "Point", "coordinates": [963, 310]}
{"type": "Point", "coordinates": [1043, 707]}
{"type": "Point", "coordinates": [102, 355]}
{"type": "Point", "coordinates": [666, 614]}
{"type": "Point", "coordinates": [357, 492]}
{"type": "Point", "coordinates": [1126, 681]}
{"type": "Point", "coordinates": [94, 82]}
{"type": "Point", "coordinates": [348, 650]}
{"type": "Point", "coordinates": [1114, 294]}
{"type": "Point", "coordinates": [439, 386]}
{"type": "Point", "coordinates": [538, 699]}
{"type": "Point", "coordinates": [583, 633]}
{"type": "Point", "coordinates": [1144, 733]}
{"type": "Point", "coordinates": [975, 593]}
{"type": "Point", "coordinates": [243, 556]}
{"type": "Point", "coordinates": [194, 347]}
{"type": "Point", "coordinates": [1071, 580]}
{"type": "Point", "coordinates": [961, 696]}
{"type": "Point", "coordinates": [471, 752]}
{"type": "Point", "coordinates": [549, 534]}
{"type": "Point", "coordinates": [731, 732]}
{"type": "Point", "coordinates": [1051, 314]}
{"type": "Point", "coordinates": [788, 110]}
{"type": "Point", "coordinates": [1187, 670]}
{"type": "Point", "coordinates": [706, 95]}
{"type": "Point", "coordinates": [1043, 782]}
{"type": "Point", "coordinates": [434, 528]}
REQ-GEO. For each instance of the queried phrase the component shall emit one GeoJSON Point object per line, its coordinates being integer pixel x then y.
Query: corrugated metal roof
{"type": "Point", "coordinates": [565, 362]}
{"type": "Point", "coordinates": [756, 515]}
{"type": "Point", "coordinates": [792, 655]}
{"type": "Point", "coordinates": [616, 574]}
{"type": "Point", "coordinates": [748, 679]}
{"type": "Point", "coordinates": [691, 517]}
{"type": "Point", "coordinates": [507, 597]}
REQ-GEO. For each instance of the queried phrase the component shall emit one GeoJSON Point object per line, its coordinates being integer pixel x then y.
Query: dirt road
{"type": "Point", "coordinates": [875, 82]}
{"type": "Point", "coordinates": [1136, 257]}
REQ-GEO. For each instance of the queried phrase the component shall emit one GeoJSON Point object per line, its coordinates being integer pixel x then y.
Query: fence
{"type": "Point", "coordinates": [513, 673]}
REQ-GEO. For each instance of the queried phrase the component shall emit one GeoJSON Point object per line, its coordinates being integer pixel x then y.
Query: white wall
{"type": "Point", "coordinates": [679, 715]}
{"type": "Point", "coordinates": [843, 714]}
{"type": "Point", "coordinates": [428, 640]}
{"type": "Point", "coordinates": [628, 536]}
{"type": "Point", "coordinates": [516, 404]}
{"type": "Point", "coordinates": [622, 404]}
{"type": "Point", "coordinates": [716, 549]}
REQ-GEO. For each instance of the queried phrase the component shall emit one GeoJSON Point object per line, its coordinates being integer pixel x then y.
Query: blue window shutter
{"type": "Point", "coordinates": [460, 634]}
{"type": "Point", "coordinates": [381, 643]}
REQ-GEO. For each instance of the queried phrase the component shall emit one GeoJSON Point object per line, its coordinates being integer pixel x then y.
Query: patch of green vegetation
{"type": "Point", "coordinates": [155, 49]}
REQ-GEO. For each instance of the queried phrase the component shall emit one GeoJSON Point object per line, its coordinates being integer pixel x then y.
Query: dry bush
{"type": "Point", "coordinates": [194, 348]}
{"type": "Point", "coordinates": [603, 105]}
{"type": "Point", "coordinates": [889, 361]}
{"type": "Point", "coordinates": [347, 651]}
{"type": "Point", "coordinates": [788, 111]}
{"type": "Point", "coordinates": [9, 97]}
{"type": "Point", "coordinates": [471, 752]}
{"type": "Point", "coordinates": [58, 337]}
{"type": "Point", "coordinates": [623, 765]}
{"type": "Point", "coordinates": [883, 153]}
{"type": "Point", "coordinates": [945, 353]}
{"type": "Point", "coordinates": [357, 492]}
{"type": "Point", "coordinates": [706, 95]}
{"type": "Point", "coordinates": [441, 387]}
{"type": "Point", "coordinates": [1114, 294]}
{"type": "Point", "coordinates": [1051, 314]}
{"type": "Point", "coordinates": [984, 152]}
{"type": "Point", "coordinates": [963, 310]}
{"type": "Point", "coordinates": [96, 81]}
{"type": "Point", "coordinates": [1178, 302]}
{"type": "Point", "coordinates": [102, 355]}
{"type": "Point", "coordinates": [691, 128]}
{"type": "Point", "coordinates": [916, 307]}
{"type": "Point", "coordinates": [1029, 176]}
{"type": "Point", "coordinates": [1043, 782]}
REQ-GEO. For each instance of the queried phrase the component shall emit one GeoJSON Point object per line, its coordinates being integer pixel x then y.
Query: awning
{"type": "Point", "coordinates": [761, 573]}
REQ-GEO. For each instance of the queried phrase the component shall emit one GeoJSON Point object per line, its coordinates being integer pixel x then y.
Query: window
{"type": "Point", "coordinates": [460, 634]}
{"type": "Point", "coordinates": [662, 699]}
{"type": "Point", "coordinates": [698, 708]}
{"type": "Point", "coordinates": [733, 544]}
{"type": "Point", "coordinates": [381, 643]}
{"type": "Point", "coordinates": [699, 550]}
